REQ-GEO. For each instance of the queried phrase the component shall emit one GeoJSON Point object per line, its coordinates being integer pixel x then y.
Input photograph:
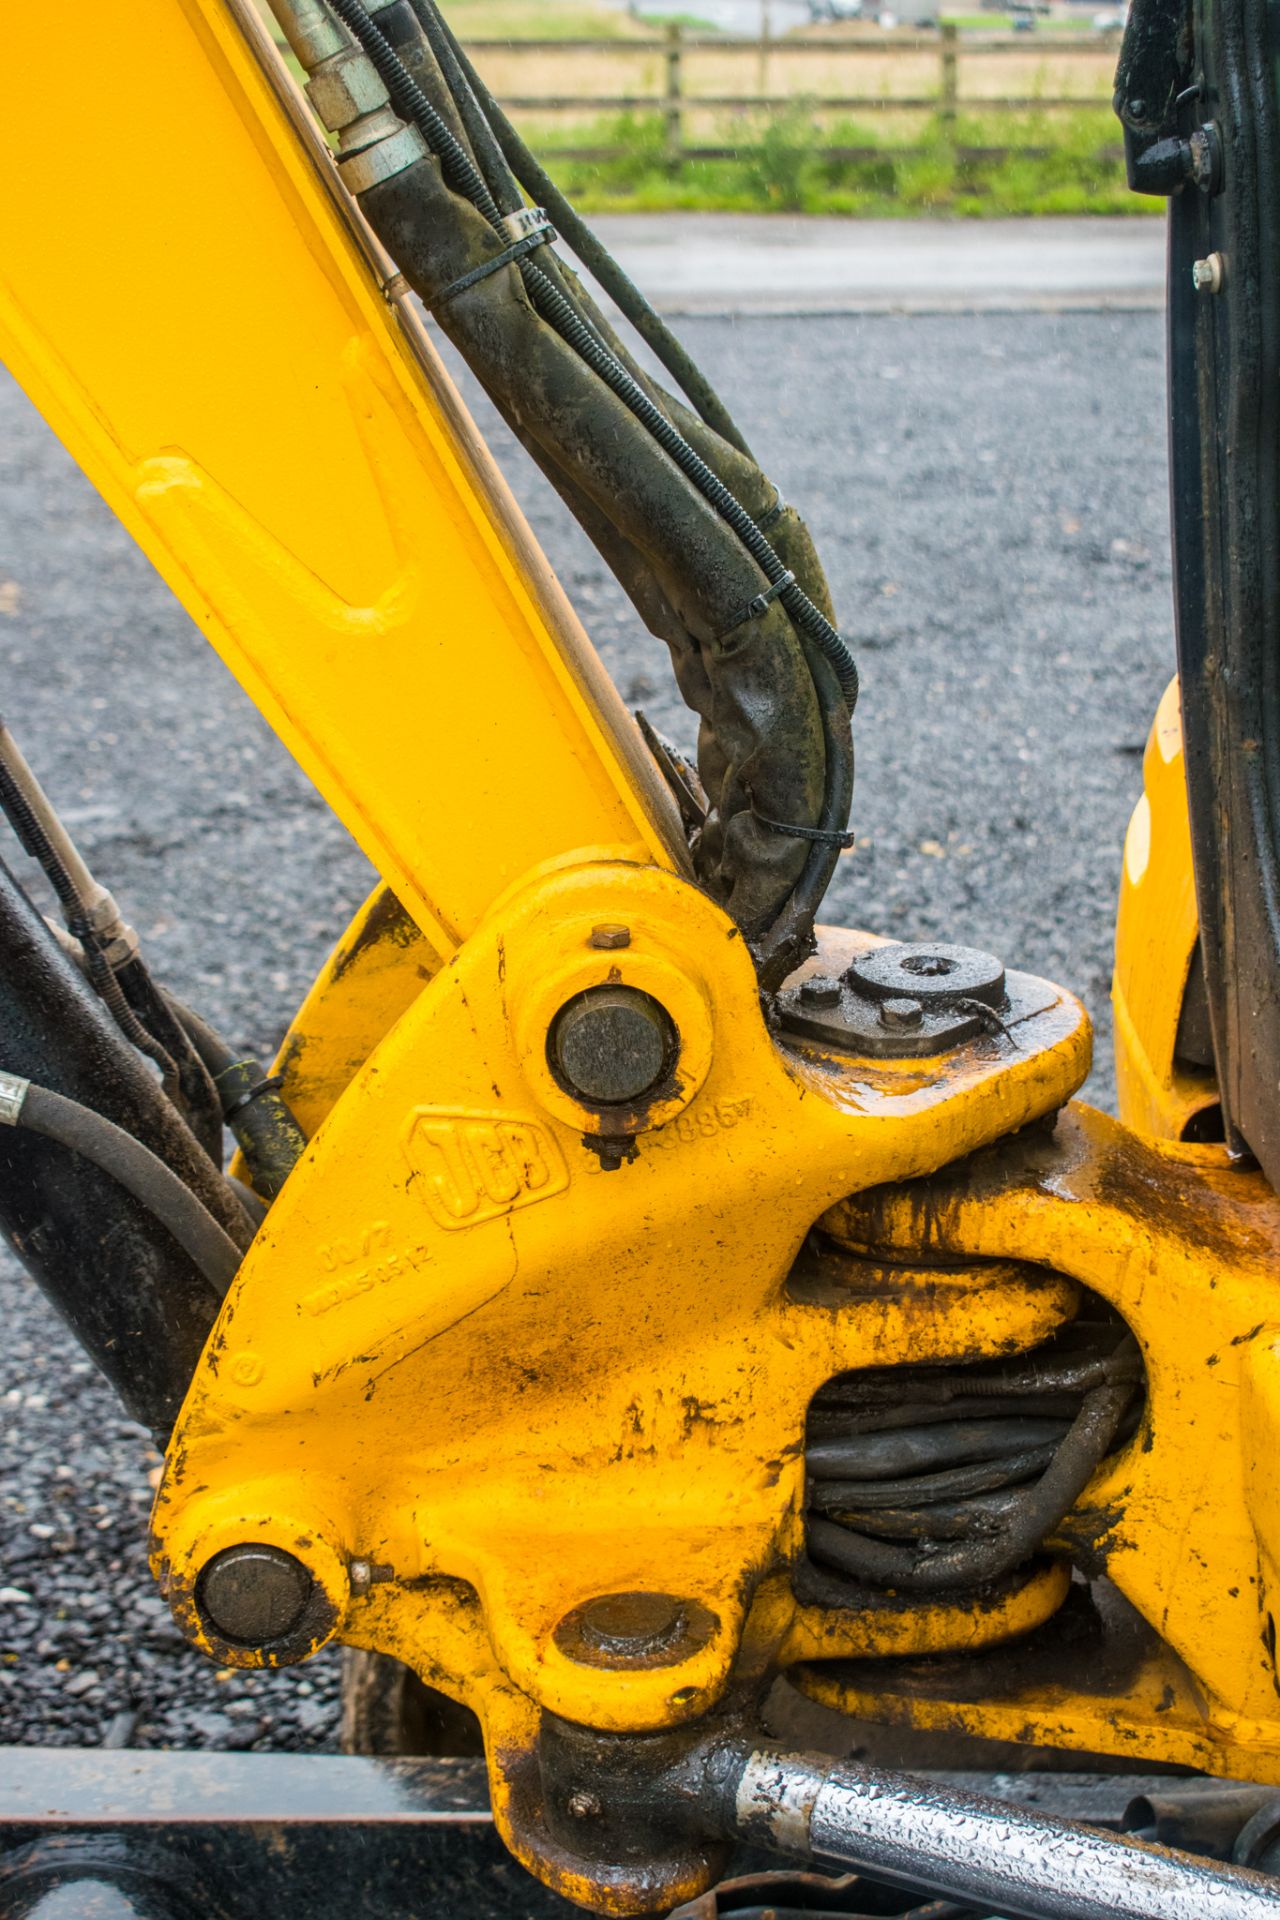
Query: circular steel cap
{"type": "Point", "coordinates": [635, 1630]}
{"type": "Point", "coordinates": [929, 972]}
{"type": "Point", "coordinates": [253, 1595]}
{"type": "Point", "coordinates": [612, 1045]}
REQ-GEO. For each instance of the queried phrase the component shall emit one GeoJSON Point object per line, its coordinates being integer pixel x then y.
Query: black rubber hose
{"type": "Point", "coordinates": [958, 1483]}
{"type": "Point", "coordinates": [197, 1096]}
{"type": "Point", "coordinates": [969, 1564]}
{"type": "Point", "coordinates": [462, 82]}
{"type": "Point", "coordinates": [1038, 1373]}
{"type": "Point", "coordinates": [555, 308]}
{"type": "Point", "coordinates": [884, 1456]}
{"type": "Point", "coordinates": [37, 843]}
{"type": "Point", "coordinates": [980, 1518]}
{"type": "Point", "coordinates": [790, 937]}
{"type": "Point", "coordinates": [835, 1423]}
{"type": "Point", "coordinates": [460, 169]}
{"type": "Point", "coordinates": [154, 1185]}
{"type": "Point", "coordinates": [587, 246]}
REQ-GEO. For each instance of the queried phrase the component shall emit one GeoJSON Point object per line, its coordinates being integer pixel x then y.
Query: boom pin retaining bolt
{"type": "Point", "coordinates": [612, 1045]}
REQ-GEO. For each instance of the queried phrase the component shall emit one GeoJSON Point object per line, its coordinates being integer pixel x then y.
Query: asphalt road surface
{"type": "Point", "coordinates": [989, 495]}
{"type": "Point", "coordinates": [782, 263]}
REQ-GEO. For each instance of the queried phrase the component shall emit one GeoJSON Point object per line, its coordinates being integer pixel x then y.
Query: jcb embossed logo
{"type": "Point", "coordinates": [472, 1167]}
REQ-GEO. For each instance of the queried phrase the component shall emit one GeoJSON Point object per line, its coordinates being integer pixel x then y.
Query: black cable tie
{"type": "Point", "coordinates": [540, 237]}
{"type": "Point", "coordinates": [271, 1084]}
{"type": "Point", "coordinates": [761, 604]}
{"type": "Point", "coordinates": [821, 836]}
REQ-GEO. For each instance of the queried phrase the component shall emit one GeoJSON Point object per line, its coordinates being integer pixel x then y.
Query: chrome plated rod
{"type": "Point", "coordinates": [910, 1832]}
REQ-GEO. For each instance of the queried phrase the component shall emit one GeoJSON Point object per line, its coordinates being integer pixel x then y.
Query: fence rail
{"type": "Point", "coordinates": [676, 101]}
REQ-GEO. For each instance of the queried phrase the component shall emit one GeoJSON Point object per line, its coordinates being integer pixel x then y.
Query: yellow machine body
{"type": "Point", "coordinates": [1156, 931]}
{"type": "Point", "coordinates": [471, 1378]}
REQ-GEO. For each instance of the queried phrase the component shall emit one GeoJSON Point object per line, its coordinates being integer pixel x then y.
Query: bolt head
{"type": "Point", "coordinates": [1207, 275]}
{"type": "Point", "coordinates": [584, 1806]}
{"type": "Point", "coordinates": [611, 937]}
{"type": "Point", "coordinates": [901, 1015]}
{"type": "Point", "coordinates": [253, 1595]}
{"type": "Point", "coordinates": [821, 991]}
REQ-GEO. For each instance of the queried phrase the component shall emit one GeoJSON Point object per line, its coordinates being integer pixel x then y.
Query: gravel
{"type": "Point", "coordinates": [990, 498]}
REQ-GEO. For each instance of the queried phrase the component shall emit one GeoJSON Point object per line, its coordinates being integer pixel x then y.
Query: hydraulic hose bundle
{"type": "Point", "coordinates": [949, 1479]}
{"type": "Point", "coordinates": [113, 1101]}
{"type": "Point", "coordinates": [717, 565]}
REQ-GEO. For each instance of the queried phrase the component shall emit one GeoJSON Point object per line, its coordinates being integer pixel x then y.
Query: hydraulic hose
{"type": "Point", "coordinates": [977, 1563]}
{"type": "Point", "coordinates": [460, 169]}
{"type": "Point", "coordinates": [930, 1489]}
{"type": "Point", "coordinates": [590, 250]}
{"type": "Point", "coordinates": [154, 1185]}
{"type": "Point", "coordinates": [902, 1450]}
{"type": "Point", "coordinates": [41, 833]}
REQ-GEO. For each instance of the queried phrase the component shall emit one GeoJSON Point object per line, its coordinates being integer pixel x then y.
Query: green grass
{"type": "Point", "coordinates": [913, 170]}
{"type": "Point", "coordinates": [543, 20]}
{"type": "Point", "coordinates": [528, 20]}
{"type": "Point", "coordinates": [1003, 23]}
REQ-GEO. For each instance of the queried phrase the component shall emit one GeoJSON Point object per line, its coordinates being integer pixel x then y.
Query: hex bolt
{"type": "Point", "coordinates": [1209, 275]}
{"type": "Point", "coordinates": [584, 1806]}
{"type": "Point", "coordinates": [612, 1045]}
{"type": "Point", "coordinates": [901, 1015]}
{"type": "Point", "coordinates": [611, 937]}
{"type": "Point", "coordinates": [253, 1595]}
{"type": "Point", "coordinates": [821, 991]}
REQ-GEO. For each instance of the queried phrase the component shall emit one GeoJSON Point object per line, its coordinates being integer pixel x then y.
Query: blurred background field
{"type": "Point", "coordinates": [812, 106]}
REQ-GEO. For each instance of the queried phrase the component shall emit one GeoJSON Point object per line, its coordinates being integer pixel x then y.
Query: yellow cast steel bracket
{"type": "Point", "coordinates": [190, 301]}
{"type": "Point", "coordinates": [1185, 1523]}
{"type": "Point", "coordinates": [463, 1355]}
{"type": "Point", "coordinates": [373, 975]}
{"type": "Point", "coordinates": [1156, 930]}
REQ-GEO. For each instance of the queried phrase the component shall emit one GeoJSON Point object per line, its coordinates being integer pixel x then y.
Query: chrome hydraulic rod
{"type": "Point", "coordinates": [998, 1858]}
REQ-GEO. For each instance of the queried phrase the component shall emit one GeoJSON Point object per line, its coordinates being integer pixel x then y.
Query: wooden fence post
{"type": "Point", "coordinates": [949, 88]}
{"type": "Point", "coordinates": [672, 102]}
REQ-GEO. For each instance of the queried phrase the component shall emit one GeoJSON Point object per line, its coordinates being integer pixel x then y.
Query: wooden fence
{"type": "Point", "coordinates": [933, 62]}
